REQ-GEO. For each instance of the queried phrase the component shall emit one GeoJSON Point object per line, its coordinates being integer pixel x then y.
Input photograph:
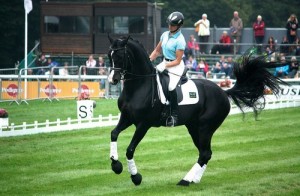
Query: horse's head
{"type": "Point", "coordinates": [128, 60]}
{"type": "Point", "coordinates": [118, 56]}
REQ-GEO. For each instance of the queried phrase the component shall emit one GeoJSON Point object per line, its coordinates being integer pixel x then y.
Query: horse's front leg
{"type": "Point", "coordinates": [116, 165]}
{"type": "Point", "coordinates": [139, 134]}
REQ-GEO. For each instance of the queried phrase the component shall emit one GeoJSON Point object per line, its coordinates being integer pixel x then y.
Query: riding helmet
{"type": "Point", "coordinates": [175, 19]}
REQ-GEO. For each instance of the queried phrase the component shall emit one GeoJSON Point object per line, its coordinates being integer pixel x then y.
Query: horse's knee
{"type": "Point", "coordinates": [114, 135]}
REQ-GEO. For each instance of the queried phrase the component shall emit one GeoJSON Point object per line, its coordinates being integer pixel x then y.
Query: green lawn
{"type": "Point", "coordinates": [249, 157]}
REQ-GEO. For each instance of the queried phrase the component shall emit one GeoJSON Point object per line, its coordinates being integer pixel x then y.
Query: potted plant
{"type": "Point", "coordinates": [3, 118]}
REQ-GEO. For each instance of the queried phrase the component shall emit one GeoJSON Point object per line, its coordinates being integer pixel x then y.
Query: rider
{"type": "Point", "coordinates": [172, 44]}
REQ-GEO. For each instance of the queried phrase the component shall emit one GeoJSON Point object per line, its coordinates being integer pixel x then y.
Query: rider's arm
{"type": "Point", "coordinates": [156, 52]}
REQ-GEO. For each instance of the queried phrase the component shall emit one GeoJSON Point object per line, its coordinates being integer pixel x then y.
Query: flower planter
{"type": "Point", "coordinates": [4, 122]}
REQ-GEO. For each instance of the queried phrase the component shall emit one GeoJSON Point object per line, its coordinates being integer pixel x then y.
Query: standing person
{"type": "Point", "coordinates": [259, 32]}
{"type": "Point", "coordinates": [292, 26]}
{"type": "Point", "coordinates": [236, 27]}
{"type": "Point", "coordinates": [172, 44]}
{"type": "Point", "coordinates": [203, 32]}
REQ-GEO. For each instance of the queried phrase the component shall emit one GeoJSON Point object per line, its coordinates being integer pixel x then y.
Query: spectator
{"type": "Point", "coordinates": [90, 66]}
{"type": "Point", "coordinates": [216, 69]}
{"type": "Point", "coordinates": [192, 47]}
{"type": "Point", "coordinates": [284, 47]}
{"type": "Point", "coordinates": [102, 71]}
{"type": "Point", "coordinates": [202, 67]}
{"type": "Point", "coordinates": [236, 27]}
{"type": "Point", "coordinates": [224, 46]}
{"type": "Point", "coordinates": [203, 32]}
{"type": "Point", "coordinates": [271, 45]}
{"type": "Point", "coordinates": [294, 67]}
{"type": "Point", "coordinates": [64, 71]}
{"type": "Point", "coordinates": [191, 63]}
{"type": "Point", "coordinates": [52, 65]}
{"type": "Point", "coordinates": [282, 71]}
{"type": "Point", "coordinates": [227, 67]}
{"type": "Point", "coordinates": [292, 26]}
{"type": "Point", "coordinates": [40, 62]}
{"type": "Point", "coordinates": [297, 47]}
{"type": "Point", "coordinates": [259, 32]}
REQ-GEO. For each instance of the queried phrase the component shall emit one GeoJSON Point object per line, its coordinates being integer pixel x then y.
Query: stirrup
{"type": "Point", "coordinates": [171, 121]}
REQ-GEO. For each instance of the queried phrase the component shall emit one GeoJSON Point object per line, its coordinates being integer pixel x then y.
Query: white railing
{"type": "Point", "coordinates": [110, 120]}
{"type": "Point", "coordinates": [58, 125]}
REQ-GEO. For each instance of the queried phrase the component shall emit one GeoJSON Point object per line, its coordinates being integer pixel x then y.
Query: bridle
{"type": "Point", "coordinates": [126, 62]}
{"type": "Point", "coordinates": [124, 71]}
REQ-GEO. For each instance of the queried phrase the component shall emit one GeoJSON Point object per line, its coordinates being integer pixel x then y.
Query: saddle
{"type": "Point", "coordinates": [164, 81]}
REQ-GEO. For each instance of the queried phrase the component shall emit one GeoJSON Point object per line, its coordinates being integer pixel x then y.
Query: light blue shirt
{"type": "Point", "coordinates": [171, 43]}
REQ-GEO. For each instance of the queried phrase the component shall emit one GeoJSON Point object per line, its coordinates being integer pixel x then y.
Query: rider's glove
{"type": "Point", "coordinates": [161, 67]}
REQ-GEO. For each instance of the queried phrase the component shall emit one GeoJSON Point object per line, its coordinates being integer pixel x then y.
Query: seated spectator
{"type": "Point", "coordinates": [102, 71]}
{"type": "Point", "coordinates": [64, 71]}
{"type": "Point", "coordinates": [101, 65]}
{"type": "Point", "coordinates": [227, 68]}
{"type": "Point", "coordinates": [202, 67]}
{"type": "Point", "coordinates": [90, 66]}
{"type": "Point", "coordinates": [282, 71]}
{"type": "Point", "coordinates": [224, 46]}
{"type": "Point", "coordinates": [192, 47]}
{"type": "Point", "coordinates": [294, 67]}
{"type": "Point", "coordinates": [40, 62]}
{"type": "Point", "coordinates": [52, 65]}
{"type": "Point", "coordinates": [191, 63]}
{"type": "Point", "coordinates": [271, 45]}
{"type": "Point", "coordinates": [284, 48]}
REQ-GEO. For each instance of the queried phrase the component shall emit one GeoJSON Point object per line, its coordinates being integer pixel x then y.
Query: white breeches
{"type": "Point", "coordinates": [175, 74]}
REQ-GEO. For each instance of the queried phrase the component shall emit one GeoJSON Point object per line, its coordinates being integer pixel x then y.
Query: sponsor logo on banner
{"type": "Point", "coordinates": [84, 89]}
{"type": "Point", "coordinates": [11, 90]}
{"type": "Point", "coordinates": [50, 90]}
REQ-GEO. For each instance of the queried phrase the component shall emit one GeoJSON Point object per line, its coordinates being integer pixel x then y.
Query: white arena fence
{"type": "Point", "coordinates": [289, 97]}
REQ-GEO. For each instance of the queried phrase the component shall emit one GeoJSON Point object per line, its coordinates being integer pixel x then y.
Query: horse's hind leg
{"type": "Point", "coordinates": [116, 165]}
{"type": "Point", "coordinates": [201, 136]}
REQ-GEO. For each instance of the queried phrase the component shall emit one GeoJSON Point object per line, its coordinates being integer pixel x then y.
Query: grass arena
{"type": "Point", "coordinates": [249, 157]}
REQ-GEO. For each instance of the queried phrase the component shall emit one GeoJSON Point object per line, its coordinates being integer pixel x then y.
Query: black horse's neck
{"type": "Point", "coordinates": [138, 58]}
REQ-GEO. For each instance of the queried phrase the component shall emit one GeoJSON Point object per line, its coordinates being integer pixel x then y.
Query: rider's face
{"type": "Point", "coordinates": [172, 28]}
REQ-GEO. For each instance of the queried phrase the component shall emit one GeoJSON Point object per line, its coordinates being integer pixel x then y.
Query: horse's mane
{"type": "Point", "coordinates": [139, 47]}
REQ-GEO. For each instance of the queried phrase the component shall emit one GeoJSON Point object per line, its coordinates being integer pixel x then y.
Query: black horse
{"type": "Point", "coordinates": [140, 106]}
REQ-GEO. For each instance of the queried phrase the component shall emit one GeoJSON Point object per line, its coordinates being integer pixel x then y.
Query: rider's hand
{"type": "Point", "coordinates": [161, 67]}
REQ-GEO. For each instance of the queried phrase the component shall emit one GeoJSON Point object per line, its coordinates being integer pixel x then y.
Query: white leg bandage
{"type": "Point", "coordinates": [191, 174]}
{"type": "Point", "coordinates": [132, 167]}
{"type": "Point", "coordinates": [114, 151]}
{"type": "Point", "coordinates": [199, 174]}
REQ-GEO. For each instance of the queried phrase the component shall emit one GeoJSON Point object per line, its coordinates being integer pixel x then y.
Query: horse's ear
{"type": "Point", "coordinates": [110, 39]}
{"type": "Point", "coordinates": [128, 38]}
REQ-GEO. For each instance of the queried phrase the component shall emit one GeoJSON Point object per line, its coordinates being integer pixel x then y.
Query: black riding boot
{"type": "Point", "coordinates": [173, 118]}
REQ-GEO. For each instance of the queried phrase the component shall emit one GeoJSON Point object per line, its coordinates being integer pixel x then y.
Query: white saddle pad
{"type": "Point", "coordinates": [189, 92]}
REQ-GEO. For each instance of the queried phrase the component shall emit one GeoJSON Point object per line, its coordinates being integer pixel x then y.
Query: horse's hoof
{"type": "Point", "coordinates": [136, 179]}
{"type": "Point", "coordinates": [183, 183]}
{"type": "Point", "coordinates": [116, 166]}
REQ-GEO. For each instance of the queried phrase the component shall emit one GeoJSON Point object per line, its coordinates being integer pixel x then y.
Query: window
{"type": "Point", "coordinates": [121, 24]}
{"type": "Point", "coordinates": [67, 24]}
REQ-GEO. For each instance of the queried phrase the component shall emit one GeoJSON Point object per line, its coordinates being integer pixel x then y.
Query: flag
{"type": "Point", "coordinates": [27, 6]}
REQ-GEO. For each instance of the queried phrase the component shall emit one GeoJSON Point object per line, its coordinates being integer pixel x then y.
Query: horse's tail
{"type": "Point", "coordinates": [252, 80]}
